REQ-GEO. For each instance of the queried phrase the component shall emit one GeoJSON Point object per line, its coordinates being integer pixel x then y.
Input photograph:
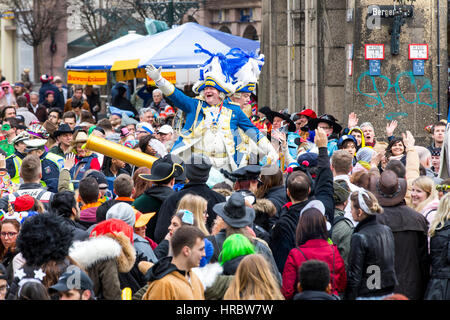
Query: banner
{"type": "Point", "coordinates": [170, 76]}
{"type": "Point", "coordinates": [91, 78]}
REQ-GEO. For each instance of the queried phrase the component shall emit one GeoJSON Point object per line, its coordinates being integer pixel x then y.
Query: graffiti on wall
{"type": "Point", "coordinates": [408, 88]}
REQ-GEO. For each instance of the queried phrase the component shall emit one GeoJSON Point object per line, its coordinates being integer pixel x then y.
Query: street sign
{"type": "Point", "coordinates": [374, 51]}
{"type": "Point", "coordinates": [418, 51]}
{"type": "Point", "coordinates": [375, 67]}
{"type": "Point", "coordinates": [7, 15]}
{"type": "Point", "coordinates": [418, 67]}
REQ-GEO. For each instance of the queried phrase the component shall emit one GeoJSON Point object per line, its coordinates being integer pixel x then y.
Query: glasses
{"type": "Point", "coordinates": [4, 288]}
{"type": "Point", "coordinates": [9, 234]}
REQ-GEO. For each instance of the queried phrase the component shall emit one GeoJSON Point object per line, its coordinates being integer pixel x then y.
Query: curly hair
{"type": "Point", "coordinates": [44, 237]}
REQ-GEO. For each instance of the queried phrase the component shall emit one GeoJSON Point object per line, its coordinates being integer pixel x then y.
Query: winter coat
{"type": "Point", "coordinates": [81, 166]}
{"type": "Point", "coordinates": [166, 282]}
{"type": "Point", "coordinates": [412, 264]}
{"type": "Point", "coordinates": [169, 206]}
{"type": "Point", "coordinates": [33, 189]}
{"type": "Point", "coordinates": [283, 233]}
{"type": "Point", "coordinates": [59, 98]}
{"type": "Point", "coordinates": [151, 201]}
{"type": "Point", "coordinates": [214, 281]}
{"type": "Point", "coordinates": [314, 249]}
{"type": "Point", "coordinates": [78, 231]}
{"type": "Point", "coordinates": [439, 284]}
{"type": "Point", "coordinates": [372, 244]}
{"type": "Point", "coordinates": [315, 295]}
{"type": "Point", "coordinates": [105, 206]}
{"type": "Point", "coordinates": [278, 197]}
{"type": "Point", "coordinates": [143, 247]}
{"type": "Point", "coordinates": [104, 258]}
{"type": "Point", "coordinates": [40, 113]}
{"type": "Point", "coordinates": [341, 233]}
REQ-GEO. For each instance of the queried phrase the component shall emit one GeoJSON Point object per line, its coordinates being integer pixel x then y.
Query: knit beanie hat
{"type": "Point", "coordinates": [122, 211]}
{"type": "Point", "coordinates": [209, 251]}
{"type": "Point", "coordinates": [341, 191]}
{"type": "Point", "coordinates": [365, 154]}
{"type": "Point", "coordinates": [198, 168]}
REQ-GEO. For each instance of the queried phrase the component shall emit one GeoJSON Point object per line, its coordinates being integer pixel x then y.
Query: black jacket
{"type": "Point", "coordinates": [282, 238]}
{"type": "Point", "coordinates": [160, 269]}
{"type": "Point", "coordinates": [372, 244]}
{"type": "Point", "coordinates": [439, 284]}
{"type": "Point", "coordinates": [412, 263]}
{"type": "Point", "coordinates": [151, 201]}
{"type": "Point", "coordinates": [278, 197]}
{"type": "Point", "coordinates": [78, 231]}
{"type": "Point", "coordinates": [169, 206]}
{"type": "Point", "coordinates": [315, 295]}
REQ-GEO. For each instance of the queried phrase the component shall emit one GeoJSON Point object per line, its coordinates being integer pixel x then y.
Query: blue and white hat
{"type": "Point", "coordinates": [245, 68]}
{"type": "Point", "coordinates": [214, 73]}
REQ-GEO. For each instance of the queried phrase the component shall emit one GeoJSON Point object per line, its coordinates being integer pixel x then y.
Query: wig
{"type": "Point", "coordinates": [234, 246]}
{"type": "Point", "coordinates": [44, 237]}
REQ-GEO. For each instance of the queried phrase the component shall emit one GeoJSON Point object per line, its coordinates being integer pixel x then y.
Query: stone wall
{"type": "Point", "coordinates": [316, 75]}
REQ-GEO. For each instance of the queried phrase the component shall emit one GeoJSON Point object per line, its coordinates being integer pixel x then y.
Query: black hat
{"type": "Point", "coordinates": [272, 114]}
{"type": "Point", "coordinates": [73, 278]}
{"type": "Point", "coordinates": [247, 173]}
{"type": "Point", "coordinates": [312, 123]}
{"type": "Point", "coordinates": [176, 159]}
{"type": "Point", "coordinates": [198, 167]}
{"type": "Point", "coordinates": [63, 128]}
{"type": "Point", "coordinates": [163, 169]}
{"type": "Point", "coordinates": [100, 177]}
{"type": "Point", "coordinates": [234, 211]}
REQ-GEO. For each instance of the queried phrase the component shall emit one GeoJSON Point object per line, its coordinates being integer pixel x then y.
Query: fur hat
{"type": "Point", "coordinates": [44, 237]}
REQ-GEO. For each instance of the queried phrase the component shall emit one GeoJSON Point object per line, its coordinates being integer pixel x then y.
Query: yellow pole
{"type": "Point", "coordinates": [117, 151]}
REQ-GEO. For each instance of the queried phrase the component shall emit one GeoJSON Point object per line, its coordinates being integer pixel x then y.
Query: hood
{"type": "Point", "coordinates": [363, 140]}
{"type": "Point", "coordinates": [159, 192]}
{"type": "Point", "coordinates": [160, 269]}
{"type": "Point", "coordinates": [89, 252]}
{"type": "Point", "coordinates": [230, 267]}
{"type": "Point", "coordinates": [208, 274]}
{"type": "Point", "coordinates": [314, 295]}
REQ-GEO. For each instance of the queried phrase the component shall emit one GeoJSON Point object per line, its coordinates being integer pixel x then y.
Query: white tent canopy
{"type": "Point", "coordinates": [79, 61]}
{"type": "Point", "coordinates": [171, 49]}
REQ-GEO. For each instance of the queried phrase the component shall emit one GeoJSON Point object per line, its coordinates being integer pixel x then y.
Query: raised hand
{"type": "Point", "coordinates": [352, 120]}
{"type": "Point", "coordinates": [321, 139]}
{"type": "Point", "coordinates": [2, 161]}
{"type": "Point", "coordinates": [69, 161]}
{"type": "Point", "coordinates": [408, 139]}
{"type": "Point", "coordinates": [390, 128]}
{"type": "Point", "coordinates": [153, 73]}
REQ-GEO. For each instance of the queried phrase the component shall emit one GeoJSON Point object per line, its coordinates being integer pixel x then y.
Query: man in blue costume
{"type": "Point", "coordinates": [212, 120]}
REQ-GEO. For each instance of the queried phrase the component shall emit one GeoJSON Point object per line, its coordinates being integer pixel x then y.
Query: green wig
{"type": "Point", "coordinates": [235, 245]}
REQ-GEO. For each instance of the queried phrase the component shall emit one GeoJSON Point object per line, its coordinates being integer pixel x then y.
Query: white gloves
{"type": "Point", "coordinates": [165, 86]}
{"type": "Point", "coordinates": [154, 73]}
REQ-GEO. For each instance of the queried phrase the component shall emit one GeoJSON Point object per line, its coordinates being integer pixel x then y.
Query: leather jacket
{"type": "Point", "coordinates": [371, 269]}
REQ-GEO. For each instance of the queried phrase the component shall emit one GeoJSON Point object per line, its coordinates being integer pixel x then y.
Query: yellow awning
{"type": "Point", "coordinates": [125, 65]}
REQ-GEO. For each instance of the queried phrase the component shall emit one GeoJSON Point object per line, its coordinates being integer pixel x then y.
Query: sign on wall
{"type": "Point", "coordinates": [418, 51]}
{"type": "Point", "coordinates": [374, 51]}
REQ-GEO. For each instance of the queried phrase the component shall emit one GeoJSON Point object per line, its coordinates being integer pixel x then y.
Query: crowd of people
{"type": "Point", "coordinates": [345, 212]}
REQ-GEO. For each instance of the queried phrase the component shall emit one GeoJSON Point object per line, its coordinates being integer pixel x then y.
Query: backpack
{"type": "Point", "coordinates": [336, 220]}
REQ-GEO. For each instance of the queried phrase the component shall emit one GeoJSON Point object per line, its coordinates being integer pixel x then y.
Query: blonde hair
{"type": "Point", "coordinates": [371, 202]}
{"type": "Point", "coordinates": [441, 216]}
{"type": "Point", "coordinates": [427, 185]}
{"type": "Point", "coordinates": [253, 281]}
{"type": "Point", "coordinates": [197, 205]}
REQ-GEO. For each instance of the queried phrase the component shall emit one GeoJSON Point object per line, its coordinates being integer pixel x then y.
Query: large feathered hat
{"type": "Point", "coordinates": [214, 73]}
{"type": "Point", "coordinates": [245, 68]}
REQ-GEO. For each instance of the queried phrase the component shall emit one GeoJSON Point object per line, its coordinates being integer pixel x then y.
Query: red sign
{"type": "Point", "coordinates": [374, 51]}
{"type": "Point", "coordinates": [418, 51]}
